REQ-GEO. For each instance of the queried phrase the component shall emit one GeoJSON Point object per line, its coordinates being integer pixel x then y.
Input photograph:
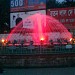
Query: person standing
{"type": "Point", "coordinates": [18, 20]}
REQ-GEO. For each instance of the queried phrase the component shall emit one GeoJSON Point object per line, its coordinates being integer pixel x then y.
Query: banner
{"type": "Point", "coordinates": [65, 15]}
{"type": "Point", "coordinates": [24, 5]}
{"type": "Point", "coordinates": [21, 16]}
{"type": "Point", "coordinates": [36, 4]}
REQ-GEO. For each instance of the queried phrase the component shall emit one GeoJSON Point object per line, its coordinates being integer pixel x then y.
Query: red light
{"type": "Point", "coordinates": [42, 40]}
{"type": "Point", "coordinates": [6, 41]}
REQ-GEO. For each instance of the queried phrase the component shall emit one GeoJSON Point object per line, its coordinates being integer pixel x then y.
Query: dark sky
{"type": "Point", "coordinates": [4, 14]}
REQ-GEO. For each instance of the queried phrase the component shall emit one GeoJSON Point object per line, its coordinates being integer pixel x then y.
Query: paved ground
{"type": "Point", "coordinates": [40, 71]}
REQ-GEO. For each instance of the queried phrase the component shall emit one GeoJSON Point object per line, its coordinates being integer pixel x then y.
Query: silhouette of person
{"type": "Point", "coordinates": [18, 20]}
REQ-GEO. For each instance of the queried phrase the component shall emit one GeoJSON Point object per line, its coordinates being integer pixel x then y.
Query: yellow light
{"type": "Point", "coordinates": [2, 40]}
{"type": "Point", "coordinates": [71, 39]}
{"type": "Point", "coordinates": [42, 39]}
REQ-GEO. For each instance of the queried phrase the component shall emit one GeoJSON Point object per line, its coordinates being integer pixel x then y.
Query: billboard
{"type": "Point", "coordinates": [17, 5]}
{"type": "Point", "coordinates": [23, 5]}
{"type": "Point", "coordinates": [65, 15]}
{"type": "Point", "coordinates": [22, 15]}
{"type": "Point", "coordinates": [36, 4]}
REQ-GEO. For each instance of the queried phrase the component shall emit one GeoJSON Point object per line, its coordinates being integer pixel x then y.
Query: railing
{"type": "Point", "coordinates": [13, 50]}
{"type": "Point", "coordinates": [36, 61]}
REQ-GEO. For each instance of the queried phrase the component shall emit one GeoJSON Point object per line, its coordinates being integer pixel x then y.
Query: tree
{"type": "Point", "coordinates": [56, 4]}
{"type": "Point", "coordinates": [68, 3]}
{"type": "Point", "coordinates": [4, 15]}
{"type": "Point", "coordinates": [50, 4]}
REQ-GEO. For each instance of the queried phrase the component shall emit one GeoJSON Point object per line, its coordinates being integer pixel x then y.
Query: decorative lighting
{"type": "Point", "coordinates": [71, 39]}
{"type": "Point", "coordinates": [42, 39]}
{"type": "Point", "coordinates": [2, 40]}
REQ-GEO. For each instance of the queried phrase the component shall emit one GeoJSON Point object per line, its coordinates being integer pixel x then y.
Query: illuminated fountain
{"type": "Point", "coordinates": [39, 27]}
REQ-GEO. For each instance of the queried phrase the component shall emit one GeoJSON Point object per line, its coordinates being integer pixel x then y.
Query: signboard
{"type": "Point", "coordinates": [65, 15]}
{"type": "Point", "coordinates": [27, 23]}
{"type": "Point", "coordinates": [36, 4]}
{"type": "Point", "coordinates": [23, 5]}
{"type": "Point", "coordinates": [17, 5]}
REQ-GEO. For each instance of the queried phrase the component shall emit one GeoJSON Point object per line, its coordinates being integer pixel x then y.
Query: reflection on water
{"type": "Point", "coordinates": [40, 71]}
